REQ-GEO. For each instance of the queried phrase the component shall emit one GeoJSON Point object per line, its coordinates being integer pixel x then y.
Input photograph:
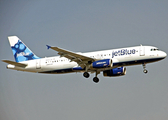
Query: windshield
{"type": "Point", "coordinates": [155, 49]}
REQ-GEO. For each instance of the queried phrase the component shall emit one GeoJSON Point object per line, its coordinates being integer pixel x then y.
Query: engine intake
{"type": "Point", "coordinates": [115, 72]}
{"type": "Point", "coordinates": [102, 63]}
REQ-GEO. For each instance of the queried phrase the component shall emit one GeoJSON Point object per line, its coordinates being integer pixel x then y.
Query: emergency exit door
{"type": "Point", "coordinates": [38, 64]}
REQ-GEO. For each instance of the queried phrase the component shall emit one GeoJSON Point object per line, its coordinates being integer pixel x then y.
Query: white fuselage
{"type": "Point", "coordinates": [120, 57]}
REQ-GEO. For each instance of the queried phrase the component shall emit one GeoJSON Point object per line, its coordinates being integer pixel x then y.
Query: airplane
{"type": "Point", "coordinates": [111, 62]}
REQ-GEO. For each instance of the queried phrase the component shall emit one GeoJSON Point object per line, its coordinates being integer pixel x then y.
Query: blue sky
{"type": "Point", "coordinates": [83, 26]}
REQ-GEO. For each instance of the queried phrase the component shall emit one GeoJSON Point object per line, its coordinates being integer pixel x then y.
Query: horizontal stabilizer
{"type": "Point", "coordinates": [15, 63]}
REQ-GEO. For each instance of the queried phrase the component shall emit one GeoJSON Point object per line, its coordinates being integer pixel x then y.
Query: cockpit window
{"type": "Point", "coordinates": [154, 49]}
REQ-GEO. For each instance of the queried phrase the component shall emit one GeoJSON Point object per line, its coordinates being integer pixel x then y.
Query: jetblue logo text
{"type": "Point", "coordinates": [123, 52]}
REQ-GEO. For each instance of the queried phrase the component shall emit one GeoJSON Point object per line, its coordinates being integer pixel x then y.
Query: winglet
{"type": "Point", "coordinates": [48, 47]}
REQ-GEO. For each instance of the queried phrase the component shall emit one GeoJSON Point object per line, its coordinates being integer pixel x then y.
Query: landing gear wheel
{"type": "Point", "coordinates": [86, 74]}
{"type": "Point", "coordinates": [145, 71]}
{"type": "Point", "coordinates": [96, 79]}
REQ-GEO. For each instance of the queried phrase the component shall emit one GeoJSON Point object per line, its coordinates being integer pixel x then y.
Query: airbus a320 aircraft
{"type": "Point", "coordinates": [111, 62]}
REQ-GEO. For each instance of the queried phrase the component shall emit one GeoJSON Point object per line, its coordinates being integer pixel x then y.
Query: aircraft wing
{"type": "Point", "coordinates": [80, 59]}
{"type": "Point", "coordinates": [15, 63]}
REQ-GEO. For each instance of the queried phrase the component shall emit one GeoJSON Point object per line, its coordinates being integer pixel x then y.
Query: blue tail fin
{"type": "Point", "coordinates": [20, 51]}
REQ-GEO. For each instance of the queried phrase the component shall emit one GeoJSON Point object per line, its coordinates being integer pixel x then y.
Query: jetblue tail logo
{"type": "Point", "coordinates": [20, 51]}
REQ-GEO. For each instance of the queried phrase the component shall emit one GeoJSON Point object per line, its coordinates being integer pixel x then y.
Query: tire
{"type": "Point", "coordinates": [86, 74]}
{"type": "Point", "coordinates": [96, 79]}
{"type": "Point", "coordinates": [145, 71]}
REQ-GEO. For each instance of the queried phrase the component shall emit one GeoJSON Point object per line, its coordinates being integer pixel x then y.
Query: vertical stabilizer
{"type": "Point", "coordinates": [20, 51]}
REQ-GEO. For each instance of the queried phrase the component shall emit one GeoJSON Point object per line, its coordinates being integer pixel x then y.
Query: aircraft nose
{"type": "Point", "coordinates": [164, 54]}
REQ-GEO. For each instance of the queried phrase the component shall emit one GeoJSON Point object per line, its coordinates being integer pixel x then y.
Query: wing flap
{"type": "Point", "coordinates": [15, 63]}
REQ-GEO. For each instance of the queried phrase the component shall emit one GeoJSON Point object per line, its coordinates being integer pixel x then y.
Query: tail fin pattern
{"type": "Point", "coordinates": [20, 51]}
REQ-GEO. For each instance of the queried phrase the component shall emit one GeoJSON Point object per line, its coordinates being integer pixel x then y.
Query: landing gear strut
{"type": "Point", "coordinates": [144, 67]}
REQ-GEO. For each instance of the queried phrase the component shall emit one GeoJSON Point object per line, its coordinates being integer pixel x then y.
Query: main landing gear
{"type": "Point", "coordinates": [95, 79]}
{"type": "Point", "coordinates": [144, 67]}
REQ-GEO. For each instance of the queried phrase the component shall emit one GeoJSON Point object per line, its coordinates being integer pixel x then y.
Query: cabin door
{"type": "Point", "coordinates": [142, 50]}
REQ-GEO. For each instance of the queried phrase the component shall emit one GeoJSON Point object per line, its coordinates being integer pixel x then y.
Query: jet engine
{"type": "Point", "coordinates": [102, 63]}
{"type": "Point", "coordinates": [115, 72]}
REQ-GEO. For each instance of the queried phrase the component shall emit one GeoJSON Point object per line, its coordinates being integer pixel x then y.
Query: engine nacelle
{"type": "Point", "coordinates": [102, 63]}
{"type": "Point", "coordinates": [115, 72]}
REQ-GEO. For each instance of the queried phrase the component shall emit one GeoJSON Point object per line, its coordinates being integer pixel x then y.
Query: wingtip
{"type": "Point", "coordinates": [48, 47]}
{"type": "Point", "coordinates": [3, 60]}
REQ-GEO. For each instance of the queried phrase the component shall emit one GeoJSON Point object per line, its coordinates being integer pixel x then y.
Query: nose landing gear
{"type": "Point", "coordinates": [144, 67]}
